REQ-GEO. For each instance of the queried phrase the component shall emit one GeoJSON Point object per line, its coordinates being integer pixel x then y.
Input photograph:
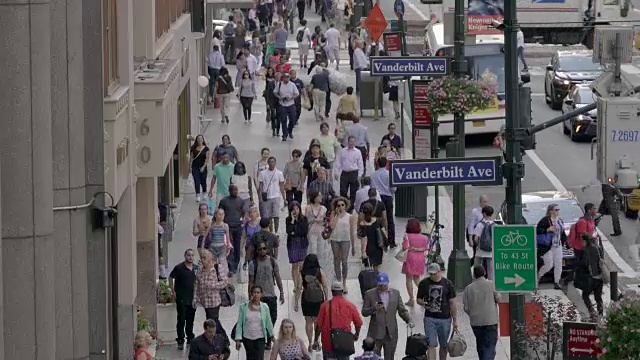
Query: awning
{"type": "Point", "coordinates": [231, 4]}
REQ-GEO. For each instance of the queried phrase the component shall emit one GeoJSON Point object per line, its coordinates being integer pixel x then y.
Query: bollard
{"type": "Point", "coordinates": [613, 282]}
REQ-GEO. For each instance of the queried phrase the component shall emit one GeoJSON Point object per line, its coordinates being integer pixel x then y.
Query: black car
{"type": "Point", "coordinates": [566, 69]}
{"type": "Point", "coordinates": [583, 126]}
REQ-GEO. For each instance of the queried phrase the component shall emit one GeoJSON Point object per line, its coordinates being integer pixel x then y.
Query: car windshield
{"type": "Point", "coordinates": [491, 63]}
{"type": "Point", "coordinates": [577, 63]}
{"type": "Point", "coordinates": [586, 96]}
{"type": "Point", "coordinates": [570, 211]}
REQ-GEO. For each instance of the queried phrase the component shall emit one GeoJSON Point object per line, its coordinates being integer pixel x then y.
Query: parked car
{"type": "Point", "coordinates": [583, 126]}
{"type": "Point", "coordinates": [566, 69]}
{"type": "Point", "coordinates": [534, 208]}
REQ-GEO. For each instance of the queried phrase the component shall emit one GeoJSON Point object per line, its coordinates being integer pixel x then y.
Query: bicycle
{"type": "Point", "coordinates": [513, 237]}
{"type": "Point", "coordinates": [435, 249]}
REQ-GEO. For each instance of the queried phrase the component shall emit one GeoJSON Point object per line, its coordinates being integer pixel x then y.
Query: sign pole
{"type": "Point", "coordinates": [458, 267]}
{"type": "Point", "coordinates": [433, 132]}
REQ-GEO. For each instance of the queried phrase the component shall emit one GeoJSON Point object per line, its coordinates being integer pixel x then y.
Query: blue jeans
{"type": "Point", "coordinates": [437, 331]}
{"type": "Point", "coordinates": [199, 179]}
{"type": "Point", "coordinates": [213, 75]}
{"type": "Point", "coordinates": [486, 340]}
{"type": "Point", "coordinates": [287, 112]}
{"type": "Point", "coordinates": [234, 256]}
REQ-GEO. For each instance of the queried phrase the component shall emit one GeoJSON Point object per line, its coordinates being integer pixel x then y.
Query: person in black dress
{"type": "Point", "coordinates": [312, 162]}
{"type": "Point", "coordinates": [371, 228]}
{"type": "Point", "coordinates": [313, 278]}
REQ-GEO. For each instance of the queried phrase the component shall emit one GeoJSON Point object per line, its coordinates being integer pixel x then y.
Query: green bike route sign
{"type": "Point", "coordinates": [515, 265]}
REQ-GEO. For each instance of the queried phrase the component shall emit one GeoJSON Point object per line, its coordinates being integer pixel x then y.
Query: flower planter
{"type": "Point", "coordinates": [166, 315]}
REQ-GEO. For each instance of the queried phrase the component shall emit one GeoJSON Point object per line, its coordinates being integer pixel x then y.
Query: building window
{"type": "Point", "coordinates": [110, 44]}
{"type": "Point", "coordinates": [168, 11]}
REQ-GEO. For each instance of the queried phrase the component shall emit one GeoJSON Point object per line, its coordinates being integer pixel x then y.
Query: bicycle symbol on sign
{"type": "Point", "coordinates": [513, 237]}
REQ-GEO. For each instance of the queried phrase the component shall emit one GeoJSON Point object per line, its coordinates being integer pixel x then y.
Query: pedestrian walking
{"type": "Point", "coordinates": [218, 237]}
{"type": "Point", "coordinates": [293, 177]}
{"type": "Point", "coordinates": [223, 89]}
{"type": "Point", "coordinates": [225, 147]}
{"type": "Point", "coordinates": [520, 37]}
{"type": "Point", "coordinates": [380, 182]}
{"type": "Point", "coordinates": [590, 276]}
{"type": "Point", "coordinates": [271, 100]}
{"type": "Point", "coordinates": [247, 191]}
{"type": "Point", "coordinates": [329, 145]}
{"type": "Point", "coordinates": [142, 344]}
{"type": "Point", "coordinates": [483, 237]}
{"type": "Point", "coordinates": [362, 143]}
{"type": "Point", "coordinates": [201, 227]}
{"type": "Point", "coordinates": [387, 151]}
{"type": "Point", "coordinates": [286, 92]}
{"type": "Point", "coordinates": [480, 302]}
{"type": "Point", "coordinates": [383, 304]}
{"type": "Point", "coordinates": [264, 272]}
{"type": "Point", "coordinates": [215, 63]}
{"type": "Point", "coordinates": [586, 224]}
{"type": "Point", "coordinates": [337, 313]}
{"type": "Point", "coordinates": [352, 44]}
{"type": "Point", "coordinates": [252, 62]}
{"type": "Point", "coordinates": [362, 194]}
{"type": "Point", "coordinates": [368, 350]}
{"type": "Point", "coordinates": [371, 231]}
{"type": "Point", "coordinates": [271, 186]}
{"type": "Point", "coordinates": [221, 179]}
{"type": "Point", "coordinates": [212, 344]}
{"type": "Point", "coordinates": [254, 327]}
{"type": "Point", "coordinates": [303, 38]}
{"type": "Point", "coordinates": [415, 244]}
{"type": "Point", "coordinates": [289, 346]}
{"type": "Point", "coordinates": [351, 169]}
{"type": "Point", "coordinates": [436, 294]}
{"type": "Point", "coordinates": [250, 227]}
{"type": "Point", "coordinates": [281, 35]}
{"type": "Point", "coordinates": [394, 139]}
{"type": "Point", "coordinates": [229, 44]}
{"type": "Point", "coordinates": [182, 281]}
{"type": "Point", "coordinates": [476, 217]}
{"type": "Point", "coordinates": [199, 158]}
{"type": "Point", "coordinates": [297, 227]}
{"type": "Point", "coordinates": [235, 210]}
{"type": "Point", "coordinates": [550, 240]}
{"type": "Point", "coordinates": [333, 45]}
{"type": "Point", "coordinates": [315, 291]}
{"type": "Point", "coordinates": [262, 236]}
{"type": "Point", "coordinates": [316, 215]}
{"type": "Point", "coordinates": [247, 93]}
{"type": "Point", "coordinates": [342, 238]}
{"type": "Point", "coordinates": [360, 63]}
{"type": "Point", "coordinates": [319, 89]}
{"type": "Point", "coordinates": [312, 163]}
{"type": "Point", "coordinates": [241, 67]}
{"type": "Point", "coordinates": [300, 4]}
{"type": "Point", "coordinates": [209, 281]}
{"type": "Point", "coordinates": [347, 106]}
{"type": "Point", "coordinates": [261, 164]}
{"type": "Point", "coordinates": [324, 186]}
{"type": "Point", "coordinates": [239, 36]}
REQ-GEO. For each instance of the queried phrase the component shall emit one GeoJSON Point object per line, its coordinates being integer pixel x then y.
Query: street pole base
{"type": "Point", "coordinates": [459, 269]}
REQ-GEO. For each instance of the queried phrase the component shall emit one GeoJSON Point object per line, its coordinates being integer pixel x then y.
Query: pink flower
{"type": "Point", "coordinates": [597, 341]}
{"type": "Point", "coordinates": [604, 350]}
{"type": "Point", "coordinates": [609, 339]}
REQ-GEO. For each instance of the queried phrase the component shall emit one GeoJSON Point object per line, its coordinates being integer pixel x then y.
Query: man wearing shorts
{"type": "Point", "coordinates": [303, 36]}
{"type": "Point", "coordinates": [436, 294]}
{"type": "Point", "coordinates": [333, 45]}
{"type": "Point", "coordinates": [271, 187]}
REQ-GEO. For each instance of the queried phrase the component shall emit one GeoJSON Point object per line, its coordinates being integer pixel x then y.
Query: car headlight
{"type": "Point", "coordinates": [562, 81]}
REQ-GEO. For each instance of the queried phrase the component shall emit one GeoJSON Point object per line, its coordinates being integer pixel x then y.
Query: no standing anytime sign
{"type": "Point", "coordinates": [579, 341]}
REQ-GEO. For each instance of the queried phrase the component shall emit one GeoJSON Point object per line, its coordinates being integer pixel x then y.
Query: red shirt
{"type": "Point", "coordinates": [583, 226]}
{"type": "Point", "coordinates": [343, 314]}
{"type": "Point", "coordinates": [283, 68]}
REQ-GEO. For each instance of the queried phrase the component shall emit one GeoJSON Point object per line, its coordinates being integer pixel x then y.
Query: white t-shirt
{"type": "Point", "coordinates": [520, 38]}
{"type": "Point", "coordinates": [478, 232]}
{"type": "Point", "coordinates": [271, 180]}
{"type": "Point", "coordinates": [333, 38]}
{"type": "Point", "coordinates": [306, 38]}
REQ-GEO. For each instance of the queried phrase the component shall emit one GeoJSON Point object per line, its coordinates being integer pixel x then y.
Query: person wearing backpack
{"type": "Point", "coordinates": [552, 228]}
{"type": "Point", "coordinates": [483, 238]}
{"type": "Point", "coordinates": [303, 38]}
{"type": "Point", "coordinates": [315, 288]}
{"type": "Point", "coordinates": [585, 224]}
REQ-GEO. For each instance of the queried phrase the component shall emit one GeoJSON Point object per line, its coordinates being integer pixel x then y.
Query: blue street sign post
{"type": "Point", "coordinates": [449, 171]}
{"type": "Point", "coordinates": [409, 66]}
{"type": "Point", "coordinates": [398, 8]}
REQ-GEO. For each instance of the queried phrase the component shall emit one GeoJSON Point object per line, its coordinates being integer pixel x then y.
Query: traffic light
{"type": "Point", "coordinates": [524, 117]}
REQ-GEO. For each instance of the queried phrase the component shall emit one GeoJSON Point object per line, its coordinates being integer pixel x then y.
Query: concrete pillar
{"type": "Point", "coordinates": [127, 268]}
{"type": "Point", "coordinates": [28, 264]}
{"type": "Point", "coordinates": [144, 38]}
{"type": "Point", "coordinates": [1, 283]}
{"type": "Point", "coordinates": [147, 246]}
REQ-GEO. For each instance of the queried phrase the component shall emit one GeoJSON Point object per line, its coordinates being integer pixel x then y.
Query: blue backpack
{"type": "Point", "coordinates": [486, 242]}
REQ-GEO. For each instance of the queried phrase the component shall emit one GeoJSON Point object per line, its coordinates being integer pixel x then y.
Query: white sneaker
{"type": "Point", "coordinates": [198, 198]}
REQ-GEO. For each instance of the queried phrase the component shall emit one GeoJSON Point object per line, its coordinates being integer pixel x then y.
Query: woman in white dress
{"type": "Point", "coordinates": [246, 186]}
{"type": "Point", "coordinates": [316, 214]}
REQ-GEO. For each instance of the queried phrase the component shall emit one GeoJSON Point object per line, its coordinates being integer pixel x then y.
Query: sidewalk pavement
{"type": "Point", "coordinates": [249, 139]}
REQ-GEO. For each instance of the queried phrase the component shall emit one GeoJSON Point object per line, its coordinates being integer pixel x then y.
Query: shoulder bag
{"type": "Point", "coordinates": [341, 339]}
{"type": "Point", "coordinates": [228, 294]}
{"type": "Point", "coordinates": [265, 194]}
{"type": "Point", "coordinates": [250, 185]}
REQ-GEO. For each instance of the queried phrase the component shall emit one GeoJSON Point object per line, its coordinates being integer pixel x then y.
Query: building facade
{"type": "Point", "coordinates": [81, 133]}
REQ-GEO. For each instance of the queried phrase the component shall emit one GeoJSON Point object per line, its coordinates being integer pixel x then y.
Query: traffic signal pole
{"type": "Point", "coordinates": [458, 267]}
{"type": "Point", "coordinates": [513, 167]}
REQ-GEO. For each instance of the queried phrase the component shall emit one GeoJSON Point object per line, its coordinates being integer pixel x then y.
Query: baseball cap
{"type": "Point", "coordinates": [383, 278]}
{"type": "Point", "coordinates": [433, 269]}
{"type": "Point", "coordinates": [337, 286]}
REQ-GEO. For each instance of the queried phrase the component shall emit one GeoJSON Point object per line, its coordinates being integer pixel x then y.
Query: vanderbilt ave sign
{"type": "Point", "coordinates": [409, 66]}
{"type": "Point", "coordinates": [471, 171]}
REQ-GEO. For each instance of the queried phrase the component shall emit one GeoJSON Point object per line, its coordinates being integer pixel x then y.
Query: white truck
{"type": "Point", "coordinates": [551, 21]}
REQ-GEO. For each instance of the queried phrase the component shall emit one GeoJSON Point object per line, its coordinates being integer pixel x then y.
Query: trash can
{"type": "Point", "coordinates": [404, 201]}
{"type": "Point", "coordinates": [358, 13]}
{"type": "Point", "coordinates": [368, 99]}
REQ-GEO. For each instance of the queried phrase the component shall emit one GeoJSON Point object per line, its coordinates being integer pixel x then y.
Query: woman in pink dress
{"type": "Point", "coordinates": [413, 266]}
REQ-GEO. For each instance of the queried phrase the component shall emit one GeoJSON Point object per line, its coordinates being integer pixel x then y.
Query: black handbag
{"type": "Point", "coordinates": [341, 339]}
{"type": "Point", "coordinates": [417, 345]}
{"type": "Point", "coordinates": [228, 294]}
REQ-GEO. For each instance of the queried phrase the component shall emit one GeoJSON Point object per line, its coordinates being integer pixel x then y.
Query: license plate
{"type": "Point", "coordinates": [480, 123]}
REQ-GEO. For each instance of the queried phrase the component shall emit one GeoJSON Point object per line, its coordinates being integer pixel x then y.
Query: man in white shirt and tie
{"type": "Point", "coordinates": [287, 92]}
{"type": "Point", "coordinates": [360, 133]}
{"type": "Point", "coordinates": [351, 169]}
{"type": "Point", "coordinates": [215, 63]}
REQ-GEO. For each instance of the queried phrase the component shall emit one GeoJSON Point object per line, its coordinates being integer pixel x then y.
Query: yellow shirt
{"type": "Point", "coordinates": [347, 104]}
{"type": "Point", "coordinates": [328, 146]}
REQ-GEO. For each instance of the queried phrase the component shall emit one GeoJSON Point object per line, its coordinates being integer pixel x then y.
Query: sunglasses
{"type": "Point", "coordinates": [556, 209]}
{"type": "Point", "coordinates": [342, 205]}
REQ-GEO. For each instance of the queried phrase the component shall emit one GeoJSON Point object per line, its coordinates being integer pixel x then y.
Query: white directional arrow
{"type": "Point", "coordinates": [590, 351]}
{"type": "Point", "coordinates": [517, 279]}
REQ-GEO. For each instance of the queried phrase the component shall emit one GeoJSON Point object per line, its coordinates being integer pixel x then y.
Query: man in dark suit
{"type": "Point", "coordinates": [382, 304]}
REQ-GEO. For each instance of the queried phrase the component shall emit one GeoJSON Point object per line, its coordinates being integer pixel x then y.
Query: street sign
{"type": "Point", "coordinates": [395, 25]}
{"type": "Point", "coordinates": [409, 66]}
{"type": "Point", "coordinates": [579, 341]}
{"type": "Point", "coordinates": [421, 116]}
{"type": "Point", "coordinates": [422, 144]}
{"type": "Point", "coordinates": [515, 262]}
{"type": "Point", "coordinates": [450, 171]}
{"type": "Point", "coordinates": [392, 41]}
{"type": "Point", "coordinates": [398, 8]}
{"type": "Point", "coordinates": [375, 23]}
{"type": "Point", "coordinates": [420, 90]}
{"type": "Point", "coordinates": [420, 106]}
